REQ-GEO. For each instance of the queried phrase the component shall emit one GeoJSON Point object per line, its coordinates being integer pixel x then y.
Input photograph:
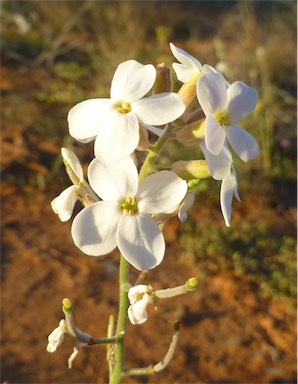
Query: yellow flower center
{"type": "Point", "coordinates": [129, 206]}
{"type": "Point", "coordinates": [123, 107]}
{"type": "Point", "coordinates": [223, 118]}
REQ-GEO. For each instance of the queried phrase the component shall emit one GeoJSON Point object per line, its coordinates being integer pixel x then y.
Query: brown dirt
{"type": "Point", "coordinates": [229, 332]}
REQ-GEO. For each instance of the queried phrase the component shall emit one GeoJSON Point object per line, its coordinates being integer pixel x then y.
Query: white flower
{"type": "Point", "coordinates": [221, 168]}
{"type": "Point", "coordinates": [123, 218]}
{"type": "Point", "coordinates": [189, 66]}
{"type": "Point", "coordinates": [63, 204]}
{"type": "Point", "coordinates": [57, 336]}
{"type": "Point", "coordinates": [223, 108]}
{"type": "Point", "coordinates": [114, 122]}
{"type": "Point", "coordinates": [139, 297]}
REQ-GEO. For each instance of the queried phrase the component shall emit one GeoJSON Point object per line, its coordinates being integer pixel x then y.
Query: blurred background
{"type": "Point", "coordinates": [241, 324]}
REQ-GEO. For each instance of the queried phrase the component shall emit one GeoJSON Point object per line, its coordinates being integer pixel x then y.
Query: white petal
{"type": "Point", "coordinates": [228, 187]}
{"type": "Point", "coordinates": [157, 131]}
{"type": "Point", "coordinates": [189, 64]}
{"type": "Point", "coordinates": [214, 135]}
{"type": "Point", "coordinates": [132, 80]}
{"type": "Point", "coordinates": [71, 160]}
{"type": "Point", "coordinates": [242, 100]}
{"type": "Point", "coordinates": [183, 72]}
{"type": "Point", "coordinates": [56, 337]}
{"type": "Point", "coordinates": [187, 203]}
{"type": "Point", "coordinates": [212, 92]}
{"type": "Point", "coordinates": [94, 228]}
{"type": "Point", "coordinates": [208, 68]}
{"type": "Point", "coordinates": [140, 241]}
{"type": "Point", "coordinates": [63, 204]}
{"type": "Point", "coordinates": [85, 118]}
{"type": "Point", "coordinates": [220, 165]}
{"type": "Point", "coordinates": [159, 109]}
{"type": "Point", "coordinates": [134, 292]}
{"type": "Point", "coordinates": [113, 181]}
{"type": "Point", "coordinates": [117, 138]}
{"type": "Point", "coordinates": [243, 143]}
{"type": "Point", "coordinates": [137, 312]}
{"type": "Point", "coordinates": [160, 192]}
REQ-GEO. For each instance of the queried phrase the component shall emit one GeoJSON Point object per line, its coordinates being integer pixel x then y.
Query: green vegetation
{"type": "Point", "coordinates": [249, 249]}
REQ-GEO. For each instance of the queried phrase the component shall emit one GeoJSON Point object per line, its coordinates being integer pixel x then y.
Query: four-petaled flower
{"type": "Point", "coordinates": [224, 107]}
{"type": "Point", "coordinates": [114, 122]}
{"type": "Point", "coordinates": [139, 297]}
{"type": "Point", "coordinates": [123, 218]}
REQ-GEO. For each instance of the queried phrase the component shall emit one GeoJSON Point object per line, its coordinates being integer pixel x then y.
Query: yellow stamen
{"type": "Point", "coordinates": [123, 107]}
{"type": "Point", "coordinates": [129, 206]}
{"type": "Point", "coordinates": [223, 118]}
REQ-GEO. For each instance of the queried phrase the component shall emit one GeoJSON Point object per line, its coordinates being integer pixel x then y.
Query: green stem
{"type": "Point", "coordinates": [147, 169]}
{"type": "Point", "coordinates": [121, 324]}
{"type": "Point", "coordinates": [148, 165]}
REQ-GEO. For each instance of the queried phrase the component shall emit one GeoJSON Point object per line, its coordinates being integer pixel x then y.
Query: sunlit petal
{"type": "Point", "coordinates": [242, 100]}
{"type": "Point", "coordinates": [85, 118]}
{"type": "Point", "coordinates": [70, 159]}
{"type": "Point", "coordinates": [185, 206]}
{"type": "Point", "coordinates": [132, 80]}
{"type": "Point", "coordinates": [136, 291]}
{"type": "Point", "coordinates": [229, 188]}
{"type": "Point", "coordinates": [117, 138]}
{"type": "Point", "coordinates": [220, 165]}
{"type": "Point", "coordinates": [211, 92]}
{"type": "Point", "coordinates": [214, 135]}
{"type": "Point", "coordinates": [159, 109]}
{"type": "Point", "coordinates": [183, 72]}
{"type": "Point", "coordinates": [160, 192]}
{"type": "Point", "coordinates": [94, 228]}
{"type": "Point", "coordinates": [63, 204]}
{"type": "Point", "coordinates": [242, 142]}
{"type": "Point", "coordinates": [188, 66]}
{"type": "Point", "coordinates": [140, 241]}
{"type": "Point", "coordinates": [113, 181]}
{"type": "Point", "coordinates": [137, 312]}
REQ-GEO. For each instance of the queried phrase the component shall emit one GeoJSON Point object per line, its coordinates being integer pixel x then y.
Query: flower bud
{"type": "Point", "coordinates": [193, 169]}
{"type": "Point", "coordinates": [163, 82]}
{"type": "Point", "coordinates": [189, 134]}
{"type": "Point", "coordinates": [188, 91]}
{"type": "Point", "coordinates": [192, 284]}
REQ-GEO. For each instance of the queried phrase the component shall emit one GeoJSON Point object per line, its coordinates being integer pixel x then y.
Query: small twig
{"type": "Point", "coordinates": [77, 333]}
{"type": "Point", "coordinates": [143, 276]}
{"type": "Point", "coordinates": [170, 354]}
{"type": "Point", "coordinates": [162, 364]}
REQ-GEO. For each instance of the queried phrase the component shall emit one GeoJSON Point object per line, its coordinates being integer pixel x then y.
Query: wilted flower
{"type": "Point", "coordinates": [123, 218]}
{"type": "Point", "coordinates": [114, 122]}
{"type": "Point", "coordinates": [139, 297]}
{"type": "Point", "coordinates": [57, 336]}
{"type": "Point", "coordinates": [223, 108]}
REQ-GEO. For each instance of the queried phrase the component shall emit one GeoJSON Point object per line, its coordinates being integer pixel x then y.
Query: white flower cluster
{"type": "Point", "coordinates": [119, 211]}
